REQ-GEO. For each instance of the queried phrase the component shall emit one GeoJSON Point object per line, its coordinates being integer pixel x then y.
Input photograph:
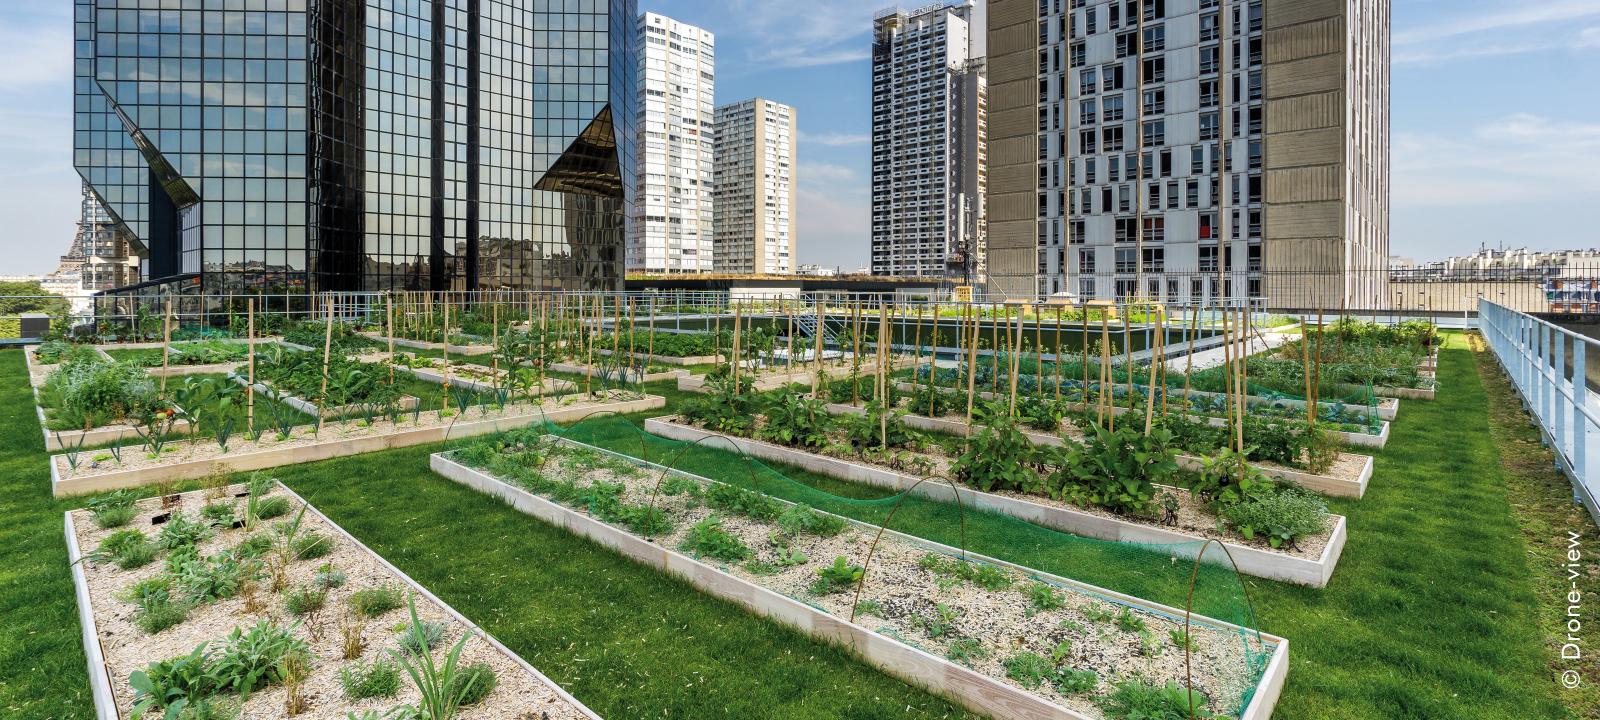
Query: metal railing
{"type": "Point", "coordinates": [1548, 366]}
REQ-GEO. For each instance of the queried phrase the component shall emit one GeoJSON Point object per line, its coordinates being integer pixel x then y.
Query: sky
{"type": "Point", "coordinates": [1496, 120]}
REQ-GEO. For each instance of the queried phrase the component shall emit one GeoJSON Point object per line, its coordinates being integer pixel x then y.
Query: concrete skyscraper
{"type": "Point", "coordinates": [755, 187]}
{"type": "Point", "coordinates": [671, 229]}
{"type": "Point", "coordinates": [928, 144]}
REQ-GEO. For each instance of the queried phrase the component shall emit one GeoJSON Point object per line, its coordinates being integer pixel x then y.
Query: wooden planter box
{"type": "Point", "coordinates": [1251, 560]}
{"type": "Point", "coordinates": [1351, 438]}
{"type": "Point", "coordinates": [105, 703]}
{"type": "Point", "coordinates": [975, 691]}
{"type": "Point", "coordinates": [93, 437]}
{"type": "Point", "coordinates": [257, 459]}
{"type": "Point", "coordinates": [1325, 484]}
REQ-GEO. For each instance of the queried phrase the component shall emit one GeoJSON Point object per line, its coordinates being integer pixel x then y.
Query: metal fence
{"type": "Point", "coordinates": [1549, 366]}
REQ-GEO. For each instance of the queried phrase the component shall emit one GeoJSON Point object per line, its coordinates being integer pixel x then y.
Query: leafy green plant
{"type": "Point", "coordinates": [877, 428]}
{"type": "Point", "coordinates": [1181, 639]}
{"type": "Point", "coordinates": [312, 545]}
{"type": "Point", "coordinates": [998, 458]}
{"type": "Point", "coordinates": [258, 657]}
{"type": "Point", "coordinates": [218, 514]}
{"type": "Point", "coordinates": [1282, 517]}
{"type": "Point", "coordinates": [1117, 469]}
{"type": "Point", "coordinates": [272, 507]}
{"type": "Point", "coordinates": [212, 578]}
{"type": "Point", "coordinates": [837, 577]}
{"type": "Point", "coordinates": [940, 623]}
{"type": "Point", "coordinates": [172, 685]}
{"type": "Point", "coordinates": [795, 419]}
{"type": "Point", "coordinates": [181, 530]}
{"type": "Point", "coordinates": [987, 577]}
{"type": "Point", "coordinates": [128, 548]}
{"type": "Point", "coordinates": [380, 679]}
{"type": "Point", "coordinates": [441, 692]}
{"type": "Point", "coordinates": [1228, 478]}
{"type": "Point", "coordinates": [743, 501]}
{"type": "Point", "coordinates": [708, 538]}
{"type": "Point", "coordinates": [1043, 596]}
{"type": "Point", "coordinates": [1129, 622]}
{"type": "Point", "coordinates": [417, 636]}
{"type": "Point", "coordinates": [328, 577]}
{"type": "Point", "coordinates": [965, 651]}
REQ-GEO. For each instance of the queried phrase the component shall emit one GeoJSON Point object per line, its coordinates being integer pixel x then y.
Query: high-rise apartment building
{"type": "Point", "coordinates": [361, 144]}
{"type": "Point", "coordinates": [755, 190]}
{"type": "Point", "coordinates": [671, 228]}
{"type": "Point", "coordinates": [100, 253]}
{"type": "Point", "coordinates": [1188, 150]}
{"type": "Point", "coordinates": [928, 144]}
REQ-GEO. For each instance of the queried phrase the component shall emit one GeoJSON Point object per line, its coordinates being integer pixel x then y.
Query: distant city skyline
{"type": "Point", "coordinates": [1468, 169]}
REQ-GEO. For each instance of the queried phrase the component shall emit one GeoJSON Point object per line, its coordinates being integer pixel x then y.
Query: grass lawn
{"type": "Point", "coordinates": [1439, 609]}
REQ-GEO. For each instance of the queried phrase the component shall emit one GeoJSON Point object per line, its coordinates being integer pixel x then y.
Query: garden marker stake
{"type": "Point", "coordinates": [788, 314]}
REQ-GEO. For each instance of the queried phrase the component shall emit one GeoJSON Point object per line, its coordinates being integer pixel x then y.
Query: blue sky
{"type": "Point", "coordinates": [1496, 120]}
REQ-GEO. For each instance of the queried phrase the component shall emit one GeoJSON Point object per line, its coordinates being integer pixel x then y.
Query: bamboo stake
{"type": "Point", "coordinates": [1016, 358]}
{"type": "Point", "coordinates": [737, 361]}
{"type": "Point", "coordinates": [916, 352]}
{"type": "Point", "coordinates": [1188, 366]}
{"type": "Point", "coordinates": [250, 378]}
{"type": "Point", "coordinates": [994, 365]}
{"type": "Point", "coordinates": [1083, 337]}
{"type": "Point", "coordinates": [1101, 397]}
{"type": "Point", "coordinates": [816, 359]}
{"type": "Point", "coordinates": [1057, 355]}
{"type": "Point", "coordinates": [494, 342]}
{"type": "Point", "coordinates": [327, 351]}
{"type": "Point", "coordinates": [972, 362]}
{"type": "Point", "coordinates": [388, 331]}
{"type": "Point", "coordinates": [1150, 390]}
{"type": "Point", "coordinates": [788, 316]}
{"type": "Point", "coordinates": [1243, 386]}
{"type": "Point", "coordinates": [855, 356]}
{"type": "Point", "coordinates": [166, 343]}
{"type": "Point", "coordinates": [588, 365]}
{"type": "Point", "coordinates": [933, 352]}
{"type": "Point", "coordinates": [1127, 350]}
{"type": "Point", "coordinates": [883, 380]}
{"type": "Point", "coordinates": [632, 316]}
{"type": "Point", "coordinates": [444, 311]}
{"type": "Point", "coordinates": [651, 352]}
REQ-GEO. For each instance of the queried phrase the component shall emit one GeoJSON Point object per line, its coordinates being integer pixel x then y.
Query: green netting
{"type": "Point", "coordinates": [1106, 644]}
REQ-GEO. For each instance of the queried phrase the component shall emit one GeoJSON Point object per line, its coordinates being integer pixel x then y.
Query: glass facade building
{"type": "Point", "coordinates": [284, 145]}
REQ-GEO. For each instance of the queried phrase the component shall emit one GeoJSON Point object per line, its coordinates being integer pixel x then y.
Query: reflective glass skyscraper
{"type": "Point", "coordinates": [361, 144]}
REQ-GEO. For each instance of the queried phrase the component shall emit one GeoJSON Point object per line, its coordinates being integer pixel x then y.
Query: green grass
{"type": "Point", "coordinates": [1433, 612]}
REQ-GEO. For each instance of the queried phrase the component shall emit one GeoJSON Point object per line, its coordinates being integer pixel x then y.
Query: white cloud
{"type": "Point", "coordinates": [1521, 16]}
{"type": "Point", "coordinates": [36, 54]}
{"type": "Point", "coordinates": [800, 34]}
{"type": "Point", "coordinates": [1589, 37]}
{"type": "Point", "coordinates": [1517, 158]}
{"type": "Point", "coordinates": [831, 174]}
{"type": "Point", "coordinates": [835, 139]}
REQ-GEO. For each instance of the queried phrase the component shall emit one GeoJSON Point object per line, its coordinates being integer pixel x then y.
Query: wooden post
{"type": "Point", "coordinates": [933, 356]}
{"type": "Point", "coordinates": [1102, 397]}
{"type": "Point", "coordinates": [651, 352]}
{"type": "Point", "coordinates": [1188, 362]}
{"type": "Point", "coordinates": [388, 324]}
{"type": "Point", "coordinates": [855, 355]}
{"type": "Point", "coordinates": [788, 314]}
{"type": "Point", "coordinates": [1016, 357]}
{"type": "Point", "coordinates": [250, 377]}
{"type": "Point", "coordinates": [588, 365]}
{"type": "Point", "coordinates": [916, 352]}
{"type": "Point", "coordinates": [1127, 350]}
{"type": "Point", "coordinates": [166, 343]}
{"type": "Point", "coordinates": [994, 337]}
{"type": "Point", "coordinates": [1244, 355]}
{"type": "Point", "coordinates": [883, 380]}
{"type": "Point", "coordinates": [444, 308]}
{"type": "Point", "coordinates": [643, 365]}
{"type": "Point", "coordinates": [1083, 335]}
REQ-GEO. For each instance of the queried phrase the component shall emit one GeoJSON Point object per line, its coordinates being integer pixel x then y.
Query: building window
{"type": "Point", "coordinates": [1125, 44]}
{"type": "Point", "coordinates": [1208, 126]}
{"type": "Point", "coordinates": [1086, 287]}
{"type": "Point", "coordinates": [1155, 230]}
{"type": "Point", "coordinates": [1208, 25]}
{"type": "Point", "coordinates": [1155, 101]}
{"type": "Point", "coordinates": [1086, 260]}
{"type": "Point", "coordinates": [1127, 259]}
{"type": "Point", "coordinates": [1113, 108]}
{"type": "Point", "coordinates": [1155, 70]}
{"type": "Point", "coordinates": [1154, 10]}
{"type": "Point", "coordinates": [1111, 138]}
{"type": "Point", "coordinates": [1086, 112]}
{"type": "Point", "coordinates": [1155, 132]}
{"type": "Point", "coordinates": [1086, 142]}
{"type": "Point", "coordinates": [1208, 93]}
{"type": "Point", "coordinates": [1087, 79]}
{"type": "Point", "coordinates": [1111, 77]}
{"type": "Point", "coordinates": [1208, 258]}
{"type": "Point", "coordinates": [1155, 39]}
{"type": "Point", "coordinates": [1125, 231]}
{"type": "Point", "coordinates": [1208, 60]}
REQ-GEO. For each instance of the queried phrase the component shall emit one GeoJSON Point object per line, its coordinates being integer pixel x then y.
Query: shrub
{"type": "Point", "coordinates": [1117, 469]}
{"type": "Point", "coordinates": [312, 545]}
{"type": "Point", "coordinates": [797, 420]}
{"type": "Point", "coordinates": [329, 577]}
{"type": "Point", "coordinates": [375, 601]}
{"type": "Point", "coordinates": [272, 507]}
{"type": "Point", "coordinates": [1282, 517]}
{"type": "Point", "coordinates": [417, 635]}
{"type": "Point", "coordinates": [1135, 700]}
{"type": "Point", "coordinates": [998, 458]}
{"type": "Point", "coordinates": [472, 683]}
{"type": "Point", "coordinates": [302, 600]}
{"type": "Point", "coordinates": [802, 519]}
{"type": "Point", "coordinates": [113, 510]}
{"type": "Point", "coordinates": [381, 679]}
{"type": "Point", "coordinates": [128, 548]}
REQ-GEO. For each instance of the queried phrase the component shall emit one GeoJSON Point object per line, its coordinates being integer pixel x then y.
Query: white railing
{"type": "Point", "coordinates": [1548, 367]}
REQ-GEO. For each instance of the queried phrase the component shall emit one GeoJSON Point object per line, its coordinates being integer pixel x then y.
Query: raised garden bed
{"type": "Point", "coordinates": [1362, 439]}
{"type": "Point", "coordinates": [406, 402]}
{"type": "Point", "coordinates": [1312, 564]}
{"type": "Point", "coordinates": [1348, 478]}
{"type": "Point", "coordinates": [117, 645]}
{"type": "Point", "coordinates": [776, 377]}
{"type": "Point", "coordinates": [985, 644]}
{"type": "Point", "coordinates": [473, 349]}
{"type": "Point", "coordinates": [670, 359]}
{"type": "Point", "coordinates": [626, 374]}
{"type": "Point", "coordinates": [137, 468]}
